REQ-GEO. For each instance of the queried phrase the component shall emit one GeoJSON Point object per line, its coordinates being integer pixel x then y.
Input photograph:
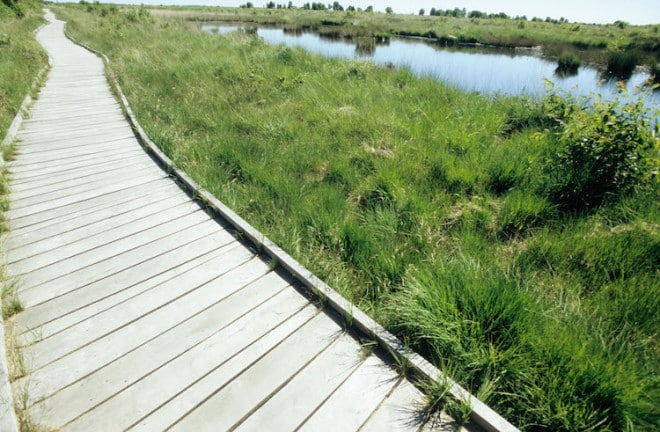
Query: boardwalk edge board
{"type": "Point", "coordinates": [481, 414]}
{"type": "Point", "coordinates": [8, 420]}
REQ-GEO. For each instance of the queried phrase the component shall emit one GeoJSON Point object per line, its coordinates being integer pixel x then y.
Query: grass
{"type": "Point", "coordinates": [554, 37]}
{"type": "Point", "coordinates": [568, 64]}
{"type": "Point", "coordinates": [427, 207]}
{"type": "Point", "coordinates": [621, 64]}
{"type": "Point", "coordinates": [21, 57]}
{"type": "Point", "coordinates": [655, 72]}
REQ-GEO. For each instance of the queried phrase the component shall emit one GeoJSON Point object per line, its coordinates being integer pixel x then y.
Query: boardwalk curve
{"type": "Point", "coordinates": [143, 311]}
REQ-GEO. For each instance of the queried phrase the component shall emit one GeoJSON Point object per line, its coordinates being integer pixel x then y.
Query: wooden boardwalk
{"type": "Point", "coordinates": [142, 312]}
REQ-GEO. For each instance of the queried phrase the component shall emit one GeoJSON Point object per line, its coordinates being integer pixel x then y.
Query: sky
{"type": "Point", "coordinates": [586, 11]}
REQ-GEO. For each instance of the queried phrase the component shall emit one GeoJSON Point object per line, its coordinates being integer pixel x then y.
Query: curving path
{"type": "Point", "coordinates": [144, 313]}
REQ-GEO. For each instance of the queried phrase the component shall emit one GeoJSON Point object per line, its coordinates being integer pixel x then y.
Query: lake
{"type": "Point", "coordinates": [491, 71]}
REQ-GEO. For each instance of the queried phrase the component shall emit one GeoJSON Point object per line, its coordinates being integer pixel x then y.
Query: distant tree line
{"type": "Point", "coordinates": [454, 13]}
{"type": "Point", "coordinates": [335, 6]}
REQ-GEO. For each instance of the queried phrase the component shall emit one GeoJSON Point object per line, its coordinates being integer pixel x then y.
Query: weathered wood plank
{"type": "Point", "coordinates": [218, 277]}
{"type": "Point", "coordinates": [90, 214]}
{"type": "Point", "coordinates": [81, 236]}
{"type": "Point", "coordinates": [292, 404]}
{"type": "Point", "coordinates": [152, 367]}
{"type": "Point", "coordinates": [356, 399]}
{"type": "Point", "coordinates": [190, 249]}
{"type": "Point", "coordinates": [62, 267]}
{"type": "Point", "coordinates": [84, 205]}
{"type": "Point", "coordinates": [68, 186]}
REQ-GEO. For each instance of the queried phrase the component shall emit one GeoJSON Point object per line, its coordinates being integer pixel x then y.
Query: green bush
{"type": "Point", "coordinates": [602, 151]}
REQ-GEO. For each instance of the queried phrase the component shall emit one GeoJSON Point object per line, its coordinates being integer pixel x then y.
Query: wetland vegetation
{"type": "Point", "coordinates": [513, 242]}
{"type": "Point", "coordinates": [593, 43]}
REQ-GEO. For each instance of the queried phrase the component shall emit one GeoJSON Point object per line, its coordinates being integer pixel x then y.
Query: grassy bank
{"type": "Point", "coordinates": [21, 56]}
{"type": "Point", "coordinates": [591, 41]}
{"type": "Point", "coordinates": [484, 232]}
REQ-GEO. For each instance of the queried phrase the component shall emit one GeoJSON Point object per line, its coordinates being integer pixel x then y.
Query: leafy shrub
{"type": "Point", "coordinates": [602, 151]}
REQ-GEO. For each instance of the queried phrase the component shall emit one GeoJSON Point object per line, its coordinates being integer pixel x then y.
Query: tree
{"type": "Point", "coordinates": [389, 10]}
{"type": "Point", "coordinates": [290, 6]}
{"type": "Point", "coordinates": [337, 7]}
{"type": "Point", "coordinates": [421, 11]}
{"type": "Point", "coordinates": [270, 5]}
{"type": "Point", "coordinates": [369, 9]}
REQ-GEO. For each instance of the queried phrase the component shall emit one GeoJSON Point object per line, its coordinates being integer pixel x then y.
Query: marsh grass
{"type": "Point", "coordinates": [621, 64]}
{"type": "Point", "coordinates": [568, 64]}
{"type": "Point", "coordinates": [21, 57]}
{"type": "Point", "coordinates": [426, 207]}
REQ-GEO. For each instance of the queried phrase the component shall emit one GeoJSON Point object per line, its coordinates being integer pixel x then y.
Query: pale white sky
{"type": "Point", "coordinates": [588, 11]}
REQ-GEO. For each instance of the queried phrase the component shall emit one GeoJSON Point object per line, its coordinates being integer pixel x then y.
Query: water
{"type": "Point", "coordinates": [489, 71]}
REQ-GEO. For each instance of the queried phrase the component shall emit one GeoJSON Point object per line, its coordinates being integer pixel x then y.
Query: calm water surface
{"type": "Point", "coordinates": [488, 71]}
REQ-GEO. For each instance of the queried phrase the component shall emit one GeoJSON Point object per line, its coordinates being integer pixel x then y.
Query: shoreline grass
{"type": "Point", "coordinates": [429, 208]}
{"type": "Point", "coordinates": [21, 57]}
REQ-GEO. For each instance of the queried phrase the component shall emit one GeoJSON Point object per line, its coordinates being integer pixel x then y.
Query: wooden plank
{"type": "Point", "coordinates": [81, 217]}
{"type": "Point", "coordinates": [101, 166]}
{"type": "Point", "coordinates": [98, 229]}
{"type": "Point", "coordinates": [292, 404]}
{"type": "Point", "coordinates": [80, 303]}
{"type": "Point", "coordinates": [62, 267]}
{"type": "Point", "coordinates": [106, 268]}
{"type": "Point", "coordinates": [96, 143]}
{"type": "Point", "coordinates": [43, 139]}
{"type": "Point", "coordinates": [43, 170]}
{"type": "Point", "coordinates": [402, 411]}
{"type": "Point", "coordinates": [230, 401]}
{"type": "Point", "coordinates": [152, 402]}
{"type": "Point", "coordinates": [356, 399]}
{"type": "Point", "coordinates": [106, 145]}
{"type": "Point", "coordinates": [151, 368]}
{"type": "Point", "coordinates": [78, 364]}
{"type": "Point", "coordinates": [68, 186]}
{"type": "Point", "coordinates": [209, 281]}
{"type": "Point", "coordinates": [45, 117]}
{"type": "Point", "coordinates": [146, 218]}
{"type": "Point", "coordinates": [201, 381]}
{"type": "Point", "coordinates": [84, 205]}
{"type": "Point", "coordinates": [65, 201]}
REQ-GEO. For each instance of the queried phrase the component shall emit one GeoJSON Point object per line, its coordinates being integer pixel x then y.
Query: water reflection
{"type": "Point", "coordinates": [483, 70]}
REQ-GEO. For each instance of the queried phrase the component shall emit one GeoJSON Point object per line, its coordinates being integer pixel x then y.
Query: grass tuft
{"type": "Point", "coordinates": [621, 64]}
{"type": "Point", "coordinates": [568, 64]}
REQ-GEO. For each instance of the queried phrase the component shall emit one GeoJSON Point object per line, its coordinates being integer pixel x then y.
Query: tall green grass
{"type": "Point", "coordinates": [427, 207]}
{"type": "Point", "coordinates": [21, 56]}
